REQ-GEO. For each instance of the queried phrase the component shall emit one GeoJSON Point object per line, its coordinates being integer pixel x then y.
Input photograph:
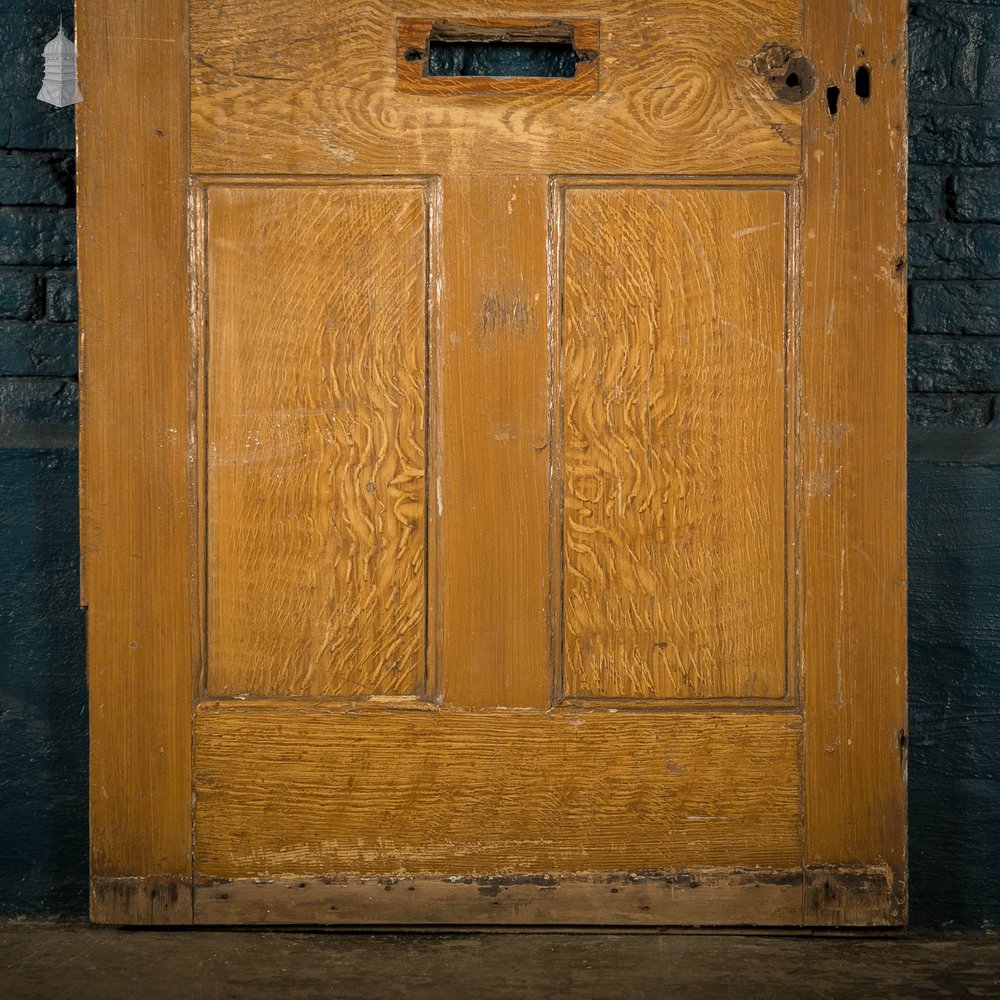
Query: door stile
{"type": "Point", "coordinates": [853, 466]}
{"type": "Point", "coordinates": [137, 522]}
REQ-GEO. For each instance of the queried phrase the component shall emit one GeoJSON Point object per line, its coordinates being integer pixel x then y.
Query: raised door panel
{"type": "Point", "coordinates": [315, 355]}
{"type": "Point", "coordinates": [674, 406]}
{"type": "Point", "coordinates": [374, 793]}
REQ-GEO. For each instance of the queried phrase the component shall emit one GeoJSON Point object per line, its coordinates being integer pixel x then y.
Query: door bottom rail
{"type": "Point", "coordinates": [815, 896]}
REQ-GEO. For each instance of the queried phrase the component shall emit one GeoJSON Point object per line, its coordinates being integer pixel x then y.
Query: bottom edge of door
{"type": "Point", "coordinates": [817, 896]}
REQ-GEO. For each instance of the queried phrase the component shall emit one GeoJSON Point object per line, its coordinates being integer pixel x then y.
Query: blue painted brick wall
{"type": "Point", "coordinates": [954, 462]}
{"type": "Point", "coordinates": [954, 676]}
{"type": "Point", "coordinates": [954, 382]}
{"type": "Point", "coordinates": [43, 725]}
{"type": "Point", "coordinates": [954, 230]}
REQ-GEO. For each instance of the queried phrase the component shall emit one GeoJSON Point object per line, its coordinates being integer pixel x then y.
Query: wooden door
{"type": "Point", "coordinates": [493, 497]}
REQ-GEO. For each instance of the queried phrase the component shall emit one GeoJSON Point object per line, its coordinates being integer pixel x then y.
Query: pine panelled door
{"type": "Point", "coordinates": [493, 461]}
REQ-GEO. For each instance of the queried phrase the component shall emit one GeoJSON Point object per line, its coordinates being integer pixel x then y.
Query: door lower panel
{"type": "Point", "coordinates": [285, 790]}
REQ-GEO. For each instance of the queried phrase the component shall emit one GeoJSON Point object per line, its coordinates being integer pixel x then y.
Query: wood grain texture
{"type": "Point", "coordinates": [286, 792]}
{"type": "Point", "coordinates": [289, 86]}
{"type": "Point", "coordinates": [752, 897]}
{"type": "Point", "coordinates": [852, 442]}
{"type": "Point", "coordinates": [492, 428]}
{"type": "Point", "coordinates": [137, 521]}
{"type": "Point", "coordinates": [154, 901]}
{"type": "Point", "coordinates": [316, 427]}
{"type": "Point", "coordinates": [757, 897]}
{"type": "Point", "coordinates": [673, 398]}
{"type": "Point", "coordinates": [852, 896]}
{"type": "Point", "coordinates": [412, 205]}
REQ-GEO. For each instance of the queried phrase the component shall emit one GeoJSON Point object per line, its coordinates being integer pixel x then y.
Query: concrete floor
{"type": "Point", "coordinates": [45, 961]}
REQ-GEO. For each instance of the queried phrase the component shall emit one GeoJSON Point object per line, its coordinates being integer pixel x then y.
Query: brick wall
{"type": "Point", "coordinates": [954, 231]}
{"type": "Point", "coordinates": [954, 378]}
{"type": "Point", "coordinates": [37, 219]}
{"type": "Point", "coordinates": [954, 462]}
{"type": "Point", "coordinates": [43, 733]}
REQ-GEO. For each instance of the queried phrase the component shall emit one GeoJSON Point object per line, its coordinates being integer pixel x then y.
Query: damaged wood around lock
{"type": "Point", "coordinates": [787, 71]}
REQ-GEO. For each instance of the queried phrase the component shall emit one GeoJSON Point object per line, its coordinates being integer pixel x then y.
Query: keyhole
{"type": "Point", "coordinates": [863, 83]}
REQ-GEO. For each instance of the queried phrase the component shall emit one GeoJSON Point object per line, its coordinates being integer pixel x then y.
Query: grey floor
{"type": "Point", "coordinates": [75, 961]}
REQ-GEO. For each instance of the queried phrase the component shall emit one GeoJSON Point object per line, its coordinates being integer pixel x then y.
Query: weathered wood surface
{"type": "Point", "coordinates": [310, 791]}
{"type": "Point", "coordinates": [158, 900]}
{"type": "Point", "coordinates": [491, 492]}
{"type": "Point", "coordinates": [137, 521]}
{"type": "Point", "coordinates": [673, 400]}
{"type": "Point", "coordinates": [39, 959]}
{"type": "Point", "coordinates": [852, 896]}
{"type": "Point", "coordinates": [852, 441]}
{"type": "Point", "coordinates": [286, 86]}
{"type": "Point", "coordinates": [316, 346]}
{"type": "Point", "coordinates": [756, 897]}
{"type": "Point", "coordinates": [466, 242]}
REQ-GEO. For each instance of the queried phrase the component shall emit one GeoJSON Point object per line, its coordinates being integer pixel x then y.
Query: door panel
{"type": "Point", "coordinates": [493, 486]}
{"type": "Point", "coordinates": [473, 794]}
{"type": "Point", "coordinates": [316, 382]}
{"type": "Point", "coordinates": [674, 405]}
